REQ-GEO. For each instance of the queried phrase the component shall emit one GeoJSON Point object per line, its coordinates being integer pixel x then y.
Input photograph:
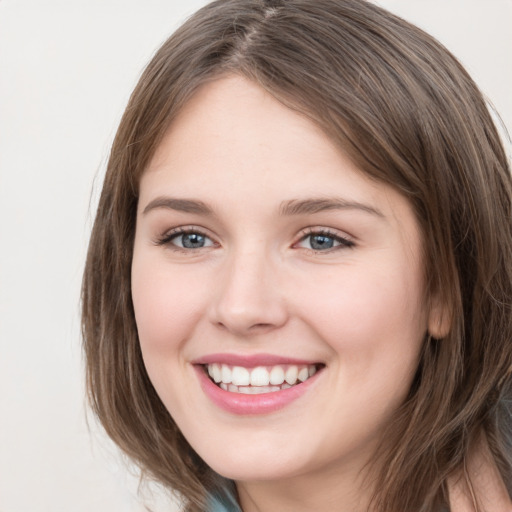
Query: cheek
{"type": "Point", "coordinates": [373, 320]}
{"type": "Point", "coordinates": [166, 304]}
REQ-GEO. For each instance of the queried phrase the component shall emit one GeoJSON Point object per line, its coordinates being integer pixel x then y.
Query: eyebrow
{"type": "Point", "coordinates": [180, 205]}
{"type": "Point", "coordinates": [287, 208]}
{"type": "Point", "coordinates": [309, 206]}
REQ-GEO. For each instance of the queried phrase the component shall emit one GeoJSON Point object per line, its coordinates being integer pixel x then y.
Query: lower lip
{"type": "Point", "coordinates": [239, 403]}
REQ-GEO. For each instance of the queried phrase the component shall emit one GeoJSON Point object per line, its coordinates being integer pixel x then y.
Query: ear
{"type": "Point", "coordinates": [439, 318]}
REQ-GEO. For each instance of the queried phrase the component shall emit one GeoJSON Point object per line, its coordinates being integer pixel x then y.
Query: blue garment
{"type": "Point", "coordinates": [223, 504]}
{"type": "Point", "coordinates": [228, 504]}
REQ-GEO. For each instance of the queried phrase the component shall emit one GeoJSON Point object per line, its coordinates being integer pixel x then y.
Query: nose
{"type": "Point", "coordinates": [248, 299]}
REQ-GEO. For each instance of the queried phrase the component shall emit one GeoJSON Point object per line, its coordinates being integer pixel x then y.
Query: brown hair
{"type": "Point", "coordinates": [406, 112]}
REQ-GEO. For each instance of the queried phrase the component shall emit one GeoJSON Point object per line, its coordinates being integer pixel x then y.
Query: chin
{"type": "Point", "coordinates": [256, 463]}
{"type": "Point", "coordinates": [250, 471]}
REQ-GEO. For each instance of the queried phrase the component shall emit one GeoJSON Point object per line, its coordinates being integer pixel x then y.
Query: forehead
{"type": "Point", "coordinates": [234, 143]}
{"type": "Point", "coordinates": [235, 110]}
{"type": "Point", "coordinates": [232, 124]}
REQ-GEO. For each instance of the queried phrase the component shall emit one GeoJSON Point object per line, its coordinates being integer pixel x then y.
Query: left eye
{"type": "Point", "coordinates": [191, 240]}
{"type": "Point", "coordinates": [323, 242]}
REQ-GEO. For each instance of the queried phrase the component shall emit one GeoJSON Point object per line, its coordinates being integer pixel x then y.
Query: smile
{"type": "Point", "coordinates": [258, 380]}
{"type": "Point", "coordinates": [257, 383]}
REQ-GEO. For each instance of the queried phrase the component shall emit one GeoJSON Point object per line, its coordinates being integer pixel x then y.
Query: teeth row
{"type": "Point", "coordinates": [253, 390]}
{"type": "Point", "coordinates": [261, 375]}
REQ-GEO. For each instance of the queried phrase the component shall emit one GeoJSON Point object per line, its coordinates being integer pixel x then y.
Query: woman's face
{"type": "Point", "coordinates": [263, 255]}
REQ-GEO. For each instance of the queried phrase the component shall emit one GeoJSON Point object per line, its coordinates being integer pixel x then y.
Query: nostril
{"type": "Point", "coordinates": [260, 326]}
{"type": "Point", "coordinates": [246, 327]}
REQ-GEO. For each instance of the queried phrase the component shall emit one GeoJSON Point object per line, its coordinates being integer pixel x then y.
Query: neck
{"type": "Point", "coordinates": [322, 492]}
{"type": "Point", "coordinates": [479, 485]}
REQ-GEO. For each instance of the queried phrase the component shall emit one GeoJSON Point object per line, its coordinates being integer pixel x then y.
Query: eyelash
{"type": "Point", "coordinates": [343, 241]}
{"type": "Point", "coordinates": [168, 237]}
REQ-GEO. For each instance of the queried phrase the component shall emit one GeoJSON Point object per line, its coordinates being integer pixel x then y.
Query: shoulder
{"type": "Point", "coordinates": [481, 482]}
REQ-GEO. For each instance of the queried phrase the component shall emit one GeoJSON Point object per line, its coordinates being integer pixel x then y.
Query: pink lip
{"type": "Point", "coordinates": [250, 361]}
{"type": "Point", "coordinates": [238, 403]}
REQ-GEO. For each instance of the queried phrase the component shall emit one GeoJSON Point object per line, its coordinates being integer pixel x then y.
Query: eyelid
{"type": "Point", "coordinates": [167, 237]}
{"type": "Point", "coordinates": [346, 241]}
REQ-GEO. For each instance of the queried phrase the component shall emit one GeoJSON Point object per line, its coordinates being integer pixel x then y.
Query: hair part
{"type": "Point", "coordinates": [407, 114]}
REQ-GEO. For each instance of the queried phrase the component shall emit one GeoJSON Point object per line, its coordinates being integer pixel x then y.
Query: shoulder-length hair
{"type": "Point", "coordinates": [407, 113]}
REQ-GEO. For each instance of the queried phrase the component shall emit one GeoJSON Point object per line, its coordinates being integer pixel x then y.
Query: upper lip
{"type": "Point", "coordinates": [251, 360]}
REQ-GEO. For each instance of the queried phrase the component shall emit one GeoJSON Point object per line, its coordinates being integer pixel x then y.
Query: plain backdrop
{"type": "Point", "coordinates": [67, 68]}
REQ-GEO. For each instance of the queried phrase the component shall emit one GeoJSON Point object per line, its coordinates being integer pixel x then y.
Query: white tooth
{"type": "Point", "coordinates": [226, 374]}
{"type": "Point", "coordinates": [312, 370]}
{"type": "Point", "coordinates": [291, 374]}
{"type": "Point", "coordinates": [277, 376]}
{"type": "Point", "coordinates": [285, 386]}
{"type": "Point", "coordinates": [224, 386]}
{"type": "Point", "coordinates": [274, 388]}
{"type": "Point", "coordinates": [245, 390]}
{"type": "Point", "coordinates": [232, 388]}
{"type": "Point", "coordinates": [210, 370]}
{"type": "Point", "coordinates": [260, 376]}
{"type": "Point", "coordinates": [240, 376]}
{"type": "Point", "coordinates": [303, 374]}
{"type": "Point", "coordinates": [258, 390]}
{"type": "Point", "coordinates": [217, 377]}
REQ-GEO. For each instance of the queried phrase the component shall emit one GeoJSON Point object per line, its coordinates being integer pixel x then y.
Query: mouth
{"type": "Point", "coordinates": [259, 379]}
{"type": "Point", "coordinates": [256, 384]}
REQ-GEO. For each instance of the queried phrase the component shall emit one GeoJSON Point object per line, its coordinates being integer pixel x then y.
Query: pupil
{"type": "Point", "coordinates": [192, 240]}
{"type": "Point", "coordinates": [321, 242]}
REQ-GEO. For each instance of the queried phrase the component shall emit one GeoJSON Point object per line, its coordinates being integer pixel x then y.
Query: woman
{"type": "Point", "coordinates": [297, 292]}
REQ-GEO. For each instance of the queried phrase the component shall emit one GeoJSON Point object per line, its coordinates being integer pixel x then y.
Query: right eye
{"type": "Point", "coordinates": [187, 239]}
{"type": "Point", "coordinates": [191, 240]}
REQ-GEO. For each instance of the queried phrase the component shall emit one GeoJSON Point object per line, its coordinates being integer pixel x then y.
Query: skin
{"type": "Point", "coordinates": [257, 286]}
{"type": "Point", "coordinates": [487, 488]}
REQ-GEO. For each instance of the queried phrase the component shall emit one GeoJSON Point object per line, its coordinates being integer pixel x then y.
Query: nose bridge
{"type": "Point", "coordinates": [249, 298]}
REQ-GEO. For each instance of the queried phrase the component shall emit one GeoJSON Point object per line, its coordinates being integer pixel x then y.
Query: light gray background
{"type": "Point", "coordinates": [67, 68]}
